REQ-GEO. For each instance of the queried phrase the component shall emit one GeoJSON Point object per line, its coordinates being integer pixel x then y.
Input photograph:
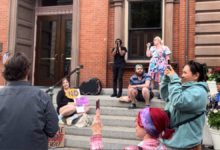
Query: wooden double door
{"type": "Point", "coordinates": [53, 48]}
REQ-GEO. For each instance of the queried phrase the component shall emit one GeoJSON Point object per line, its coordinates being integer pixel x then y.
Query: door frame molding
{"type": "Point", "coordinates": [54, 10]}
{"type": "Point", "coordinates": [12, 25]}
{"type": "Point", "coordinates": [68, 9]}
{"type": "Point", "coordinates": [75, 39]}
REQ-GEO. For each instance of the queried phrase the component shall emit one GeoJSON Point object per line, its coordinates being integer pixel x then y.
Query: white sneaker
{"type": "Point", "coordinates": [69, 121]}
{"type": "Point", "coordinates": [61, 122]}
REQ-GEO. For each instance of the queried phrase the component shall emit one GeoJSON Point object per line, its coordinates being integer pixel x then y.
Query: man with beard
{"type": "Point", "coordinates": [138, 88]}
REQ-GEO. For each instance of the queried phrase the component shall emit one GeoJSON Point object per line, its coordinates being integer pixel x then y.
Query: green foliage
{"type": "Point", "coordinates": [214, 118]}
{"type": "Point", "coordinates": [214, 77]}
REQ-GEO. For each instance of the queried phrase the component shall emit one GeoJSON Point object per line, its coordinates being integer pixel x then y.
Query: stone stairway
{"type": "Point", "coordinates": [118, 121]}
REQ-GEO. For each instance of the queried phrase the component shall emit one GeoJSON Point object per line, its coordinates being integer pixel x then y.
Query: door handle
{"type": "Point", "coordinates": [62, 57]}
{"type": "Point", "coordinates": [55, 56]}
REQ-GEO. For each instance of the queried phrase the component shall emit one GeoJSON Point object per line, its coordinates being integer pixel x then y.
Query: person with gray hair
{"type": "Point", "coordinates": [27, 114]}
{"type": "Point", "coordinates": [139, 87]}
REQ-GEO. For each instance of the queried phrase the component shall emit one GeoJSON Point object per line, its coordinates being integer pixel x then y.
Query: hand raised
{"type": "Point", "coordinates": [169, 71]}
{"type": "Point", "coordinates": [97, 123]}
{"type": "Point", "coordinates": [148, 45]}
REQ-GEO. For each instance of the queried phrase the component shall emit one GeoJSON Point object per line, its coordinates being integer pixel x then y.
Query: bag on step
{"type": "Point", "coordinates": [83, 121]}
{"type": "Point", "coordinates": [91, 87]}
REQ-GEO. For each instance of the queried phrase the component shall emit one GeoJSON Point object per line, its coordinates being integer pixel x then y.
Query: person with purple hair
{"type": "Point", "coordinates": [151, 124]}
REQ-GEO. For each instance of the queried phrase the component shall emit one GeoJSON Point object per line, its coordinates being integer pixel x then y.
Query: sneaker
{"type": "Point", "coordinates": [132, 106]}
{"type": "Point", "coordinates": [113, 95]}
{"type": "Point", "coordinates": [61, 122]}
{"type": "Point", "coordinates": [69, 121]}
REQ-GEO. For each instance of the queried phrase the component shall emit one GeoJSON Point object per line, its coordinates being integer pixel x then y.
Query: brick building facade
{"type": "Point", "coordinates": [83, 32]}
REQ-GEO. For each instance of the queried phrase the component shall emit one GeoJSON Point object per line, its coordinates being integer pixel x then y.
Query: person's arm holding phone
{"type": "Point", "coordinates": [164, 91]}
{"type": "Point", "coordinates": [96, 142]}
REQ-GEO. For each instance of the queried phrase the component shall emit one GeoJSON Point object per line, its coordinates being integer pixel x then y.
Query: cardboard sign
{"type": "Point", "coordinates": [58, 139]}
{"type": "Point", "coordinates": [72, 93]}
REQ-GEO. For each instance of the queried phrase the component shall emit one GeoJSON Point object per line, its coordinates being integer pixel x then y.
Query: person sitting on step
{"type": "Point", "coordinates": [66, 107]}
{"type": "Point", "coordinates": [139, 87]}
{"type": "Point", "coordinates": [151, 124]}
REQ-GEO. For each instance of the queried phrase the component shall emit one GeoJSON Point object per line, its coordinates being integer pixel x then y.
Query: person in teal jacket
{"type": "Point", "coordinates": [184, 100]}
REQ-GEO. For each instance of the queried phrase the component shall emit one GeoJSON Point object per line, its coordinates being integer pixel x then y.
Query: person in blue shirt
{"type": "Point", "coordinates": [138, 88]}
{"type": "Point", "coordinates": [186, 98]}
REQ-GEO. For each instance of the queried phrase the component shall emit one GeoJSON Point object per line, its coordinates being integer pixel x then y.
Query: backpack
{"type": "Point", "coordinates": [91, 87]}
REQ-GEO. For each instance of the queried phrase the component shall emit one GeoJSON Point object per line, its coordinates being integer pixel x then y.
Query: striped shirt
{"type": "Point", "coordinates": [135, 81]}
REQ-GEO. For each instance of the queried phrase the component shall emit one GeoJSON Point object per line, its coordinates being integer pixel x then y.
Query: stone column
{"type": "Point", "coordinates": [118, 19]}
{"type": "Point", "coordinates": [75, 39]}
{"type": "Point", "coordinates": [168, 33]}
{"type": "Point", "coordinates": [12, 25]}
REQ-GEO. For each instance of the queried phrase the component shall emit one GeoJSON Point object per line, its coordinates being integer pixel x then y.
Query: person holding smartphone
{"type": "Point", "coordinates": [151, 125]}
{"type": "Point", "coordinates": [186, 98]}
{"type": "Point", "coordinates": [118, 52]}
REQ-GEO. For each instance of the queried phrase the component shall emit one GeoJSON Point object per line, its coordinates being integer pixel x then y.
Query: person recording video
{"type": "Point", "coordinates": [118, 52]}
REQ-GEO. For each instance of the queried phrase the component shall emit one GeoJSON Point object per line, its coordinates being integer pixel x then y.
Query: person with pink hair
{"type": "Point", "coordinates": [151, 124]}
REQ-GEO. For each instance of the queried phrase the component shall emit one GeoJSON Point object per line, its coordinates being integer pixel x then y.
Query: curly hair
{"type": "Point", "coordinates": [16, 67]}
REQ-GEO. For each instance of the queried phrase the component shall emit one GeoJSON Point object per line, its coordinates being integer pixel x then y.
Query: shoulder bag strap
{"type": "Point", "coordinates": [187, 120]}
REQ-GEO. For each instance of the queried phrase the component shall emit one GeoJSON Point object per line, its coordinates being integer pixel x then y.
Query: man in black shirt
{"type": "Point", "coordinates": [118, 67]}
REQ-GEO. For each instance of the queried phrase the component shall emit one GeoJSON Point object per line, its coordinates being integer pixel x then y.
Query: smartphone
{"type": "Point", "coordinates": [168, 67]}
{"type": "Point", "coordinates": [98, 104]}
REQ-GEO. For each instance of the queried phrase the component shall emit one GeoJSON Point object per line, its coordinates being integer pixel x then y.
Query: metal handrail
{"type": "Point", "coordinates": [49, 91]}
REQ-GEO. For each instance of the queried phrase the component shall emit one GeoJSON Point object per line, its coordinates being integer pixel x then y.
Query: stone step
{"type": "Point", "coordinates": [66, 148]}
{"type": "Point", "coordinates": [115, 111]}
{"type": "Point", "coordinates": [105, 91]}
{"type": "Point", "coordinates": [107, 101]}
{"type": "Point", "coordinates": [110, 144]}
{"type": "Point", "coordinates": [107, 132]}
{"type": "Point", "coordinates": [117, 121]}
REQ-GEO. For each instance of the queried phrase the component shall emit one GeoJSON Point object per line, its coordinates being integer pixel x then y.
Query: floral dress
{"type": "Point", "coordinates": [158, 62]}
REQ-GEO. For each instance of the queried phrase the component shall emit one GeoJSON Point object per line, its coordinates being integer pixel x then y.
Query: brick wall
{"type": "Point", "coordinates": [175, 52]}
{"type": "Point", "coordinates": [182, 33]}
{"type": "Point", "coordinates": [97, 38]}
{"type": "Point", "coordinates": [93, 39]}
{"type": "Point", "coordinates": [4, 12]}
{"type": "Point", "coordinates": [178, 38]}
{"type": "Point", "coordinates": [192, 28]}
{"type": "Point", "coordinates": [110, 45]}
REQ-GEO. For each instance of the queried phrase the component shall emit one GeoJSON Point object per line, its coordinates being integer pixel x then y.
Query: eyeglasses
{"type": "Point", "coordinates": [138, 120]}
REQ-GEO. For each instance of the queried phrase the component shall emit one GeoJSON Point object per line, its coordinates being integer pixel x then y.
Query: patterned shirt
{"type": "Point", "coordinates": [135, 81]}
